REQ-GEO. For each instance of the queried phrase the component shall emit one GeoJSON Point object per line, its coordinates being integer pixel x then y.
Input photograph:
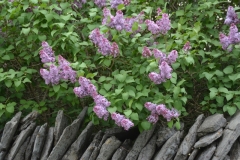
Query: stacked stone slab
{"type": "Point", "coordinates": [211, 138]}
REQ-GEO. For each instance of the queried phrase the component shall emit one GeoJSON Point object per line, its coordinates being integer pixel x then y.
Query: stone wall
{"type": "Point", "coordinates": [212, 138]}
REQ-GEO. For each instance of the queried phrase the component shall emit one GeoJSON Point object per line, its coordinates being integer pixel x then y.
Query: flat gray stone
{"type": "Point", "coordinates": [76, 149]}
{"type": "Point", "coordinates": [96, 141]}
{"type": "Point", "coordinates": [122, 151]}
{"type": "Point", "coordinates": [148, 151]}
{"type": "Point", "coordinates": [39, 142]}
{"type": "Point", "coordinates": [61, 123]}
{"type": "Point", "coordinates": [47, 148]}
{"type": "Point", "coordinates": [20, 154]}
{"type": "Point", "coordinates": [189, 140]}
{"type": "Point", "coordinates": [68, 136]}
{"type": "Point", "coordinates": [140, 142]}
{"type": "Point", "coordinates": [28, 152]}
{"type": "Point", "coordinates": [208, 139]}
{"type": "Point", "coordinates": [108, 148]}
{"type": "Point", "coordinates": [164, 133]}
{"type": "Point", "coordinates": [207, 153]}
{"type": "Point", "coordinates": [8, 133]}
{"type": "Point", "coordinates": [95, 153]}
{"type": "Point", "coordinates": [227, 158]}
{"type": "Point", "coordinates": [21, 138]}
{"type": "Point", "coordinates": [235, 150]}
{"type": "Point", "coordinates": [169, 149]}
{"type": "Point", "coordinates": [212, 124]}
{"type": "Point", "coordinates": [193, 154]}
{"type": "Point", "coordinates": [27, 120]}
{"type": "Point", "coordinates": [230, 134]}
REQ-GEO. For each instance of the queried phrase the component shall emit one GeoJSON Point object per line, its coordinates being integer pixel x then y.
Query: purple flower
{"type": "Point", "coordinates": [114, 50]}
{"type": "Point", "coordinates": [146, 52]}
{"type": "Point", "coordinates": [115, 3]}
{"type": "Point", "coordinates": [187, 46]}
{"type": "Point", "coordinates": [159, 11]}
{"type": "Point", "coordinates": [51, 76]}
{"type": "Point", "coordinates": [118, 21]}
{"type": "Point", "coordinates": [234, 35]}
{"type": "Point", "coordinates": [158, 54]}
{"type": "Point", "coordinates": [152, 27]}
{"type": "Point", "coordinates": [107, 15]}
{"type": "Point", "coordinates": [121, 121]}
{"type": "Point", "coordinates": [101, 101]}
{"type": "Point", "coordinates": [172, 57]}
{"type": "Point", "coordinates": [46, 54]}
{"type": "Point", "coordinates": [224, 40]}
{"type": "Point", "coordinates": [165, 70]}
{"type": "Point", "coordinates": [164, 23]}
{"type": "Point", "coordinates": [153, 118]}
{"type": "Point", "coordinates": [86, 85]}
{"type": "Point", "coordinates": [66, 72]}
{"type": "Point", "coordinates": [126, 2]}
{"type": "Point", "coordinates": [100, 3]}
{"type": "Point", "coordinates": [231, 16]}
{"type": "Point", "coordinates": [156, 78]}
{"type": "Point", "coordinates": [101, 112]}
{"type": "Point", "coordinates": [78, 3]}
{"type": "Point", "coordinates": [151, 107]}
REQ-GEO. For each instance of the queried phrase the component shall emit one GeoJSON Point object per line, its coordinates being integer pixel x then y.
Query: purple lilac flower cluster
{"type": "Point", "coordinates": [100, 3]}
{"type": "Point", "coordinates": [104, 46]}
{"type": "Point", "coordinates": [115, 3]}
{"type": "Point", "coordinates": [53, 74]}
{"type": "Point", "coordinates": [119, 21]}
{"type": "Point", "coordinates": [157, 110]}
{"type": "Point", "coordinates": [231, 17]}
{"type": "Point", "coordinates": [187, 46]}
{"type": "Point", "coordinates": [121, 121]}
{"type": "Point", "coordinates": [164, 64]}
{"type": "Point", "coordinates": [162, 25]}
{"type": "Point", "coordinates": [88, 89]}
{"type": "Point", "coordinates": [232, 38]}
{"type": "Point", "coordinates": [78, 3]}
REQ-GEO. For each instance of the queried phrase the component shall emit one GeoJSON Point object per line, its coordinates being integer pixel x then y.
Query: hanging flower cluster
{"type": "Point", "coordinates": [121, 121]}
{"type": "Point", "coordinates": [53, 74]}
{"type": "Point", "coordinates": [115, 3]}
{"type": "Point", "coordinates": [157, 110]}
{"type": "Point", "coordinates": [187, 46]}
{"type": "Point", "coordinates": [164, 64]}
{"type": "Point", "coordinates": [231, 17]}
{"type": "Point", "coordinates": [103, 44]}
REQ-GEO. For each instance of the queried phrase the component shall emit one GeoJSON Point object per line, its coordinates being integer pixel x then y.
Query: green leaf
{"type": "Point", "coordinates": [208, 75]}
{"type": "Point", "coordinates": [237, 104]}
{"type": "Point", "coordinates": [120, 77]}
{"type": "Point", "coordinates": [176, 91]}
{"type": "Point", "coordinates": [179, 13]}
{"type": "Point", "coordinates": [212, 95]}
{"type": "Point", "coordinates": [129, 79]}
{"type": "Point", "coordinates": [56, 88]}
{"type": "Point", "coordinates": [189, 60]}
{"type": "Point", "coordinates": [6, 57]}
{"type": "Point", "coordinates": [178, 125]}
{"type": "Point", "coordinates": [120, 7]}
{"type": "Point", "coordinates": [112, 109]}
{"type": "Point", "coordinates": [17, 83]}
{"type": "Point", "coordinates": [170, 124]}
{"type": "Point", "coordinates": [10, 107]}
{"type": "Point", "coordinates": [8, 83]}
{"type": "Point", "coordinates": [134, 116]}
{"type": "Point", "coordinates": [127, 112]}
{"type": "Point", "coordinates": [131, 93]}
{"type": "Point", "coordinates": [49, 17]}
{"type": "Point", "coordinates": [125, 96]}
{"type": "Point", "coordinates": [220, 100]}
{"type": "Point", "coordinates": [34, 1]}
{"type": "Point", "coordinates": [228, 69]}
{"type": "Point", "coordinates": [219, 73]}
{"type": "Point", "coordinates": [231, 110]}
{"type": "Point", "coordinates": [223, 89]}
{"type": "Point", "coordinates": [174, 78]}
{"type": "Point", "coordinates": [139, 106]}
{"type": "Point", "coordinates": [146, 125]}
{"type": "Point", "coordinates": [178, 105]}
{"type": "Point", "coordinates": [229, 96]}
{"type": "Point", "coordinates": [107, 86]}
{"type": "Point", "coordinates": [118, 91]}
{"type": "Point", "coordinates": [107, 62]}
{"type": "Point", "coordinates": [135, 26]}
{"type": "Point", "coordinates": [84, 43]}
{"type": "Point", "coordinates": [25, 31]}
{"type": "Point", "coordinates": [101, 79]}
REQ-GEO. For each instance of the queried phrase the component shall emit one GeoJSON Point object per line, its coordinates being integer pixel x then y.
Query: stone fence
{"type": "Point", "coordinates": [212, 138]}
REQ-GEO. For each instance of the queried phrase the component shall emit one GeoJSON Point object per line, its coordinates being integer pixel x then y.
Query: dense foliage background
{"type": "Point", "coordinates": [204, 79]}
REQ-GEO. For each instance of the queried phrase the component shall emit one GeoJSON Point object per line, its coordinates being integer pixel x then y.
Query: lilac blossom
{"type": "Point", "coordinates": [146, 52]}
{"type": "Point", "coordinates": [225, 41]}
{"type": "Point", "coordinates": [118, 21]}
{"type": "Point", "coordinates": [107, 15]}
{"type": "Point", "coordinates": [100, 3]}
{"type": "Point", "coordinates": [165, 71]}
{"type": "Point", "coordinates": [104, 46]}
{"type": "Point", "coordinates": [121, 121]}
{"type": "Point", "coordinates": [157, 110]}
{"type": "Point", "coordinates": [231, 16]}
{"type": "Point", "coordinates": [78, 3]}
{"type": "Point", "coordinates": [101, 101]}
{"type": "Point", "coordinates": [46, 54]}
{"type": "Point", "coordinates": [51, 76]}
{"type": "Point", "coordinates": [159, 11]}
{"type": "Point", "coordinates": [86, 88]}
{"type": "Point", "coordinates": [164, 23]}
{"type": "Point", "coordinates": [66, 72]}
{"type": "Point", "coordinates": [101, 112]}
{"type": "Point", "coordinates": [115, 3]}
{"type": "Point", "coordinates": [152, 27]}
{"type": "Point", "coordinates": [156, 78]}
{"type": "Point", "coordinates": [159, 55]}
{"type": "Point", "coordinates": [126, 2]}
{"type": "Point", "coordinates": [234, 35]}
{"type": "Point", "coordinates": [172, 57]}
{"type": "Point", "coordinates": [187, 46]}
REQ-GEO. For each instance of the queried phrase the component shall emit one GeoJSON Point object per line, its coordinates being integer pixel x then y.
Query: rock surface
{"type": "Point", "coordinates": [207, 153]}
{"type": "Point", "coordinates": [48, 144]}
{"type": "Point", "coordinates": [123, 150]}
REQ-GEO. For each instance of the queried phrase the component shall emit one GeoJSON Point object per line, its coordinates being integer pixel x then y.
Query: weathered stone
{"type": "Point", "coordinates": [193, 154]}
{"type": "Point", "coordinates": [208, 139]}
{"type": "Point", "coordinates": [148, 151]}
{"type": "Point", "coordinates": [122, 151]}
{"type": "Point", "coordinates": [96, 141]}
{"type": "Point", "coordinates": [76, 149]}
{"type": "Point", "coordinates": [27, 120]}
{"type": "Point", "coordinates": [189, 140]}
{"type": "Point", "coordinates": [67, 138]}
{"type": "Point", "coordinates": [28, 152]}
{"type": "Point", "coordinates": [230, 134]}
{"type": "Point", "coordinates": [235, 150]}
{"type": "Point", "coordinates": [21, 138]}
{"type": "Point", "coordinates": [227, 158]}
{"type": "Point", "coordinates": [108, 148]}
{"type": "Point", "coordinates": [22, 149]}
{"type": "Point", "coordinates": [169, 149]}
{"type": "Point", "coordinates": [48, 144]}
{"type": "Point", "coordinates": [8, 133]}
{"type": "Point", "coordinates": [164, 133]}
{"type": "Point", "coordinates": [95, 153]}
{"type": "Point", "coordinates": [140, 142]}
{"type": "Point", "coordinates": [212, 124]}
{"type": "Point", "coordinates": [207, 153]}
{"type": "Point", "coordinates": [60, 124]}
{"type": "Point", "coordinates": [39, 142]}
